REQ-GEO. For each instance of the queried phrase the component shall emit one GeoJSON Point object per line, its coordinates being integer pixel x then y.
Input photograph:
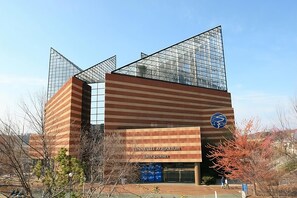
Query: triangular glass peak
{"type": "Point", "coordinates": [96, 73]}
{"type": "Point", "coordinates": [60, 70]}
{"type": "Point", "coordinates": [197, 61]}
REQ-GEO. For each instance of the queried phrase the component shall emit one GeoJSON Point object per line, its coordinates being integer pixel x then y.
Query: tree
{"type": "Point", "coordinates": [247, 156]}
{"type": "Point", "coordinates": [106, 163]}
{"type": "Point", "coordinates": [34, 115]}
{"type": "Point", "coordinates": [16, 151]}
{"type": "Point", "coordinates": [103, 159]}
{"type": "Point", "coordinates": [287, 122]}
{"type": "Point", "coordinates": [142, 69]}
{"type": "Point", "coordinates": [68, 174]}
{"type": "Point", "coordinates": [14, 156]}
{"type": "Point", "coordinates": [286, 140]}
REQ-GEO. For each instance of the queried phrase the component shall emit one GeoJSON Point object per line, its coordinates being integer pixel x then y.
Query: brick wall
{"type": "Point", "coordinates": [132, 102]}
{"type": "Point", "coordinates": [181, 144]}
{"type": "Point", "coordinates": [65, 114]}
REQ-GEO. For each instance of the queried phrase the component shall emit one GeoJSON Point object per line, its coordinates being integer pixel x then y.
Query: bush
{"type": "Point", "coordinates": [207, 180]}
{"type": "Point", "coordinates": [290, 165]}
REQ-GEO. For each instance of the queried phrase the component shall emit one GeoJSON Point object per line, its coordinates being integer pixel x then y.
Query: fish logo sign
{"type": "Point", "coordinates": [218, 120]}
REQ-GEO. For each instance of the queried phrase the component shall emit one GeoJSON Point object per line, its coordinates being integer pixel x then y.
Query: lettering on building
{"type": "Point", "coordinates": [156, 156]}
{"type": "Point", "coordinates": [172, 148]}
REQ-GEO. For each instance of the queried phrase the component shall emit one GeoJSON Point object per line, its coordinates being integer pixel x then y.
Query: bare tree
{"type": "Point", "coordinates": [34, 114]}
{"type": "Point", "coordinates": [286, 140]}
{"type": "Point", "coordinates": [20, 154]}
{"type": "Point", "coordinates": [41, 149]}
{"type": "Point", "coordinates": [108, 164]}
{"type": "Point", "coordinates": [294, 104]}
{"type": "Point", "coordinates": [14, 155]}
{"type": "Point", "coordinates": [106, 161]}
{"type": "Point", "coordinates": [287, 135]}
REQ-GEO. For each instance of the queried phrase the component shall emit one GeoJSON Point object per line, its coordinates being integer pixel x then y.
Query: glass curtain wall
{"type": "Point", "coordinates": [197, 61]}
{"type": "Point", "coordinates": [60, 70]}
{"type": "Point", "coordinates": [95, 77]}
{"type": "Point", "coordinates": [97, 105]}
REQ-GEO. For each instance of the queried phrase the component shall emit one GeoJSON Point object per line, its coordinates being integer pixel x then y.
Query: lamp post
{"type": "Point", "coordinates": [70, 183]}
{"type": "Point", "coordinates": [84, 185]}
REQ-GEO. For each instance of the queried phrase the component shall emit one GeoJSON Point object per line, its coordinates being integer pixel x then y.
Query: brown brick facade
{"type": "Point", "coordinates": [65, 115]}
{"type": "Point", "coordinates": [181, 144]}
{"type": "Point", "coordinates": [139, 107]}
{"type": "Point", "coordinates": [132, 102]}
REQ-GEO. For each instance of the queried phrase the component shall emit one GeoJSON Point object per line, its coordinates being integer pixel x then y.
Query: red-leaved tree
{"type": "Point", "coordinates": [247, 157]}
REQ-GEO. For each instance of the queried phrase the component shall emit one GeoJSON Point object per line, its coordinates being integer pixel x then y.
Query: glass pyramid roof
{"type": "Point", "coordinates": [60, 70]}
{"type": "Point", "coordinates": [96, 73]}
{"type": "Point", "coordinates": [197, 61]}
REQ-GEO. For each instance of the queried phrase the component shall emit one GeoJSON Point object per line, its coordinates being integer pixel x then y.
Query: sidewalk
{"type": "Point", "coordinates": [178, 190]}
{"type": "Point", "coordinates": [174, 190]}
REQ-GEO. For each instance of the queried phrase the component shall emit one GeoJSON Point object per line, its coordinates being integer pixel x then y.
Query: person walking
{"type": "Point", "coordinates": [226, 183]}
{"type": "Point", "coordinates": [222, 182]}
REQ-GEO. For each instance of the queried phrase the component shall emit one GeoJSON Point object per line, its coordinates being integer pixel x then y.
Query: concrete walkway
{"type": "Point", "coordinates": [177, 191]}
{"type": "Point", "coordinates": [161, 190]}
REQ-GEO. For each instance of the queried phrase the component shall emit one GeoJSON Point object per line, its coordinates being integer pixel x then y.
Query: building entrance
{"type": "Point", "coordinates": [179, 175]}
{"type": "Point", "coordinates": [167, 172]}
{"type": "Point", "coordinates": [179, 172]}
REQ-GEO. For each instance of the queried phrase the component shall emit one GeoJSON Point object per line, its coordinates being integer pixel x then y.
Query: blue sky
{"type": "Point", "coordinates": [260, 43]}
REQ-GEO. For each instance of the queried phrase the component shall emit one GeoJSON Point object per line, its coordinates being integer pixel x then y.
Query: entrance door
{"type": "Point", "coordinates": [179, 175]}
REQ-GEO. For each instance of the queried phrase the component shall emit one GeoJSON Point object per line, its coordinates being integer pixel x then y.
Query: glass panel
{"type": "Point", "coordinates": [97, 72]}
{"type": "Point", "coordinates": [60, 70]}
{"type": "Point", "coordinates": [97, 103]}
{"type": "Point", "coordinates": [198, 61]}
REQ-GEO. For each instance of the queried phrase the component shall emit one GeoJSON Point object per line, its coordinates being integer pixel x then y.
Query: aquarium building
{"type": "Point", "coordinates": [161, 103]}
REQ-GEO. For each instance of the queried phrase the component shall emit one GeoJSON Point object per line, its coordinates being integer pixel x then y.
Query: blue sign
{"type": "Point", "coordinates": [218, 120]}
{"type": "Point", "coordinates": [245, 188]}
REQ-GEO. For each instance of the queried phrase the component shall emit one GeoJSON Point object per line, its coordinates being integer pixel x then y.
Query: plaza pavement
{"type": "Point", "coordinates": [178, 190]}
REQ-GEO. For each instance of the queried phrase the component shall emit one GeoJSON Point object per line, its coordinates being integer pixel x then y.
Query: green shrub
{"type": "Point", "coordinates": [290, 166]}
{"type": "Point", "coordinates": [207, 180]}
